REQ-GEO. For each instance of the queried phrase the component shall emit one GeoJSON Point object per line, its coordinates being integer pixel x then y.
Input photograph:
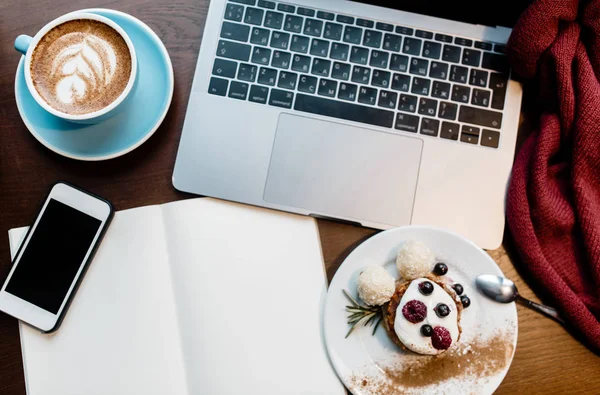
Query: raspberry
{"type": "Point", "coordinates": [441, 339]}
{"type": "Point", "coordinates": [414, 311]}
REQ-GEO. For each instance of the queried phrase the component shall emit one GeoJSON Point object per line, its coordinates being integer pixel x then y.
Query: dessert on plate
{"type": "Point", "coordinates": [420, 310]}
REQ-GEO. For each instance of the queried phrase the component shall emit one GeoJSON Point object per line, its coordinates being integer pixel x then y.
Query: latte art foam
{"type": "Point", "coordinates": [81, 66]}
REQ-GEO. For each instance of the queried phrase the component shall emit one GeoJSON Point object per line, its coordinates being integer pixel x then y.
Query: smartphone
{"type": "Point", "coordinates": [54, 256]}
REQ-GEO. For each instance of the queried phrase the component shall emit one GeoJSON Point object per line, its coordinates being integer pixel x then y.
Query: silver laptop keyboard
{"type": "Point", "coordinates": [361, 70]}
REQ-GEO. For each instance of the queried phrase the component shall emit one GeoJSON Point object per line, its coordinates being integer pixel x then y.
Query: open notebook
{"type": "Point", "coordinates": [193, 297]}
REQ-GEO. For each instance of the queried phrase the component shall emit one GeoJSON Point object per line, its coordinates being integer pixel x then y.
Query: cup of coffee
{"type": "Point", "coordinates": [80, 67]}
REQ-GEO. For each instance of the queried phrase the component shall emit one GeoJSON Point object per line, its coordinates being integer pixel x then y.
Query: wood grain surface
{"type": "Point", "coordinates": [548, 359]}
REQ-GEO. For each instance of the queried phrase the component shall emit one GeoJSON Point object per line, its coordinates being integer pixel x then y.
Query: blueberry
{"type": "Point", "coordinates": [458, 289]}
{"type": "Point", "coordinates": [466, 302]}
{"type": "Point", "coordinates": [442, 310]}
{"type": "Point", "coordinates": [426, 330]}
{"type": "Point", "coordinates": [440, 269]}
{"type": "Point", "coordinates": [426, 288]}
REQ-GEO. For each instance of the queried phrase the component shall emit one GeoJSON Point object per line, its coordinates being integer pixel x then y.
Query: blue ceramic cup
{"type": "Point", "coordinates": [26, 45]}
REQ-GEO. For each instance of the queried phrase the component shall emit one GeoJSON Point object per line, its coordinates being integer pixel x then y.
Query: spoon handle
{"type": "Point", "coordinates": [546, 310]}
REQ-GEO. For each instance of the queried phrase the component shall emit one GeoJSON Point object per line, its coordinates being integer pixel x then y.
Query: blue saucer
{"type": "Point", "coordinates": [127, 130]}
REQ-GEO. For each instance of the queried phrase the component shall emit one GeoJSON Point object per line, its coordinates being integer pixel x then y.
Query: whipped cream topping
{"type": "Point", "coordinates": [410, 334]}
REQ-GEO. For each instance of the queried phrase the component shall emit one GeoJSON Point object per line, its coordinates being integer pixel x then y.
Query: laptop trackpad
{"type": "Point", "coordinates": [343, 171]}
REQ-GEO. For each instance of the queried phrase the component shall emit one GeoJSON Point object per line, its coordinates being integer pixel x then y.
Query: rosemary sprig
{"type": "Point", "coordinates": [362, 315]}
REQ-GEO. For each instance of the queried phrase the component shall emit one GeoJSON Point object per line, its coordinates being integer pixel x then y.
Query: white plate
{"type": "Point", "coordinates": [371, 365]}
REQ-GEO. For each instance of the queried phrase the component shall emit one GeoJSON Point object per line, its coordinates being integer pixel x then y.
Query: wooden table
{"type": "Point", "coordinates": [547, 360]}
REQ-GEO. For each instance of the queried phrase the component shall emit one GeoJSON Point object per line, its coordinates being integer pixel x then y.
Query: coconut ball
{"type": "Point", "coordinates": [375, 286]}
{"type": "Point", "coordinates": [414, 260]}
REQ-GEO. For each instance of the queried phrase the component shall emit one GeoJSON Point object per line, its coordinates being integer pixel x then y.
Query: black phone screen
{"type": "Point", "coordinates": [52, 258]}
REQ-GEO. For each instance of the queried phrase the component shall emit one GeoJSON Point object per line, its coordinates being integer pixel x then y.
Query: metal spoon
{"type": "Point", "coordinates": [503, 290]}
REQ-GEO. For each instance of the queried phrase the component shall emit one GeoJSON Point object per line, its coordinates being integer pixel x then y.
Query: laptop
{"type": "Point", "coordinates": [361, 112]}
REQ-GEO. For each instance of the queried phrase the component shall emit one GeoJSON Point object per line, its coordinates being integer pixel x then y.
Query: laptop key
{"type": "Point", "coordinates": [419, 66]}
{"type": "Point", "coordinates": [267, 76]}
{"type": "Point", "coordinates": [465, 42]}
{"type": "Point", "coordinates": [480, 97]}
{"type": "Point", "coordinates": [345, 19]}
{"type": "Point", "coordinates": [347, 91]}
{"type": "Point", "coordinates": [232, 50]}
{"type": "Point", "coordinates": [478, 78]}
{"type": "Point", "coordinates": [301, 63]}
{"type": "Point", "coordinates": [325, 15]}
{"type": "Point", "coordinates": [340, 71]}
{"type": "Point", "coordinates": [339, 51]}
{"type": "Point", "coordinates": [305, 11]}
{"type": "Point", "coordinates": [279, 98]}
{"type": "Point", "coordinates": [307, 84]}
{"type": "Point", "coordinates": [449, 130]}
{"type": "Point", "coordinates": [421, 86]}
{"type": "Point", "coordinates": [381, 79]}
{"type": "Point", "coordinates": [344, 110]}
{"type": "Point", "coordinates": [286, 8]}
{"type": "Point", "coordinates": [327, 88]}
{"type": "Point", "coordinates": [440, 90]}
{"type": "Point", "coordinates": [448, 111]}
{"type": "Point", "coordinates": [281, 59]}
{"type": "Point", "coordinates": [259, 36]}
{"type": "Point", "coordinates": [238, 90]}
{"type": "Point", "coordinates": [408, 103]}
{"type": "Point", "coordinates": [218, 86]}
{"type": "Point", "coordinates": [359, 55]}
{"type": "Point", "coordinates": [379, 59]}
{"type": "Point", "coordinates": [224, 68]}
{"type": "Point", "coordinates": [384, 26]}
{"type": "Point", "coordinates": [367, 95]}
{"type": "Point", "coordinates": [500, 48]}
{"type": "Point", "coordinates": [412, 46]}
{"type": "Point", "coordinates": [287, 80]}
{"type": "Point", "coordinates": [258, 94]}
{"type": "Point", "coordinates": [248, 2]}
{"type": "Point", "coordinates": [372, 39]}
{"type": "Point", "coordinates": [353, 35]}
{"type": "Point", "coordinates": [292, 24]}
{"type": "Point", "coordinates": [428, 106]}
{"type": "Point", "coordinates": [480, 116]}
{"type": "Point", "coordinates": [365, 23]}
{"type": "Point", "coordinates": [451, 53]}
{"type": "Point", "coordinates": [469, 134]}
{"type": "Point", "coordinates": [407, 31]}
{"type": "Point", "coordinates": [273, 20]}
{"type": "Point", "coordinates": [387, 99]}
{"type": "Point", "coordinates": [438, 70]}
{"type": "Point", "coordinates": [280, 40]}
{"type": "Point", "coordinates": [319, 47]}
{"type": "Point", "coordinates": [247, 72]}
{"type": "Point", "coordinates": [399, 63]}
{"type": "Point", "coordinates": [235, 31]}
{"type": "Point", "coordinates": [430, 127]}
{"type": "Point", "coordinates": [392, 42]}
{"type": "Point", "coordinates": [254, 16]}
{"type": "Point", "coordinates": [266, 4]}
{"type": "Point", "coordinates": [333, 31]}
{"type": "Point", "coordinates": [401, 82]}
{"type": "Point", "coordinates": [424, 34]}
{"type": "Point", "coordinates": [461, 93]}
{"type": "Point", "coordinates": [234, 12]}
{"type": "Point", "coordinates": [459, 74]}
{"type": "Point", "coordinates": [490, 138]}
{"type": "Point", "coordinates": [492, 61]}
{"type": "Point", "coordinates": [300, 44]}
{"type": "Point", "coordinates": [498, 86]}
{"type": "Point", "coordinates": [432, 50]}
{"type": "Point", "coordinates": [443, 38]}
{"type": "Point", "coordinates": [313, 27]}
{"type": "Point", "coordinates": [361, 75]}
{"type": "Point", "coordinates": [321, 67]}
{"type": "Point", "coordinates": [471, 57]}
{"type": "Point", "coordinates": [407, 123]}
{"type": "Point", "coordinates": [483, 45]}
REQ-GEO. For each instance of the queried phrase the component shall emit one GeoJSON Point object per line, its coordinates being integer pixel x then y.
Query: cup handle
{"type": "Point", "coordinates": [22, 43]}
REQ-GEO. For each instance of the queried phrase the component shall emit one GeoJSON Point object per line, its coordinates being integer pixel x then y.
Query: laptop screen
{"type": "Point", "coordinates": [490, 13]}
